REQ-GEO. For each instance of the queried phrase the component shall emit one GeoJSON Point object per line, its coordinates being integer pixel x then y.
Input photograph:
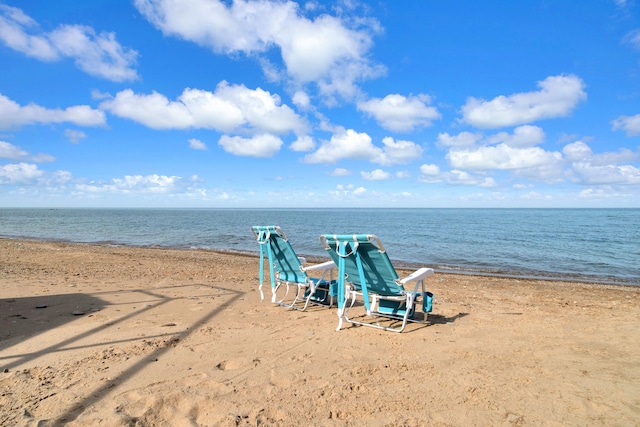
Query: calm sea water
{"type": "Point", "coordinates": [586, 244]}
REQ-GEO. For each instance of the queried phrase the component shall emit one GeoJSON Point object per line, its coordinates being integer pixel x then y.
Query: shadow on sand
{"type": "Point", "coordinates": [29, 316]}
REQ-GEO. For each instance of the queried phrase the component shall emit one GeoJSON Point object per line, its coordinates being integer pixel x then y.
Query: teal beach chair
{"type": "Point", "coordinates": [286, 268]}
{"type": "Point", "coordinates": [365, 270]}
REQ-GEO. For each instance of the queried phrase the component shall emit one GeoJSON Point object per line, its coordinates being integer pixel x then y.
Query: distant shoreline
{"type": "Point", "coordinates": [400, 265]}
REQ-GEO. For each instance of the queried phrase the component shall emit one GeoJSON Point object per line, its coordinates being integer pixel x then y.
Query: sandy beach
{"type": "Point", "coordinates": [121, 336]}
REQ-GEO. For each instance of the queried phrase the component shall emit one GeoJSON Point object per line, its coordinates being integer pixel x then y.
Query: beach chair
{"type": "Point", "coordinates": [287, 269]}
{"type": "Point", "coordinates": [365, 270]}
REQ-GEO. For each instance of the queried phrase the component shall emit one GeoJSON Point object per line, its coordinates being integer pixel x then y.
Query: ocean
{"type": "Point", "coordinates": [591, 245]}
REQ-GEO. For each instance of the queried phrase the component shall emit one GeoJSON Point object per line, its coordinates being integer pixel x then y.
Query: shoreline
{"type": "Point", "coordinates": [546, 276]}
{"type": "Point", "coordinates": [97, 335]}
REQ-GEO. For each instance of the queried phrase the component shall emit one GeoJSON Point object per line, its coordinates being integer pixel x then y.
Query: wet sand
{"type": "Point", "coordinates": [121, 336]}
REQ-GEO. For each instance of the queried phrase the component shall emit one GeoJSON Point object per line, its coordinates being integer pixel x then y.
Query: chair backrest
{"type": "Point", "coordinates": [282, 258]}
{"type": "Point", "coordinates": [365, 263]}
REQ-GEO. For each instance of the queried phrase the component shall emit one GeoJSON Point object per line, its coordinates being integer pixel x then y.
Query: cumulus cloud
{"type": "Point", "coordinates": [589, 174]}
{"type": "Point", "coordinates": [463, 139]}
{"type": "Point", "coordinates": [13, 115]}
{"type": "Point", "coordinates": [399, 113]}
{"type": "Point", "coordinates": [399, 152]}
{"type": "Point", "coordinates": [360, 190]}
{"type": "Point", "coordinates": [473, 157]}
{"type": "Point", "coordinates": [375, 175]}
{"type": "Point", "coordinates": [303, 143]}
{"type": "Point", "coordinates": [629, 124]}
{"type": "Point", "coordinates": [523, 137]}
{"type": "Point", "coordinates": [517, 152]}
{"type": "Point", "coordinates": [458, 177]}
{"type": "Point", "coordinates": [257, 146]}
{"type": "Point", "coordinates": [20, 173]}
{"type": "Point", "coordinates": [327, 50]}
{"type": "Point", "coordinates": [431, 174]}
{"type": "Point", "coordinates": [231, 108]}
{"type": "Point", "coordinates": [502, 157]}
{"type": "Point", "coordinates": [340, 172]}
{"type": "Point", "coordinates": [557, 97]}
{"type": "Point", "coordinates": [96, 54]}
{"type": "Point", "coordinates": [430, 170]}
{"type": "Point", "coordinates": [134, 184]}
{"type": "Point", "coordinates": [196, 144]}
{"type": "Point", "coordinates": [12, 152]}
{"type": "Point", "coordinates": [350, 144]}
{"type": "Point", "coordinates": [580, 152]}
{"type": "Point", "coordinates": [301, 100]}
{"type": "Point", "coordinates": [348, 190]}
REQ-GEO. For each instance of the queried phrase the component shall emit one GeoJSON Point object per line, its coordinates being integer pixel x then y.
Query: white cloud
{"type": "Point", "coordinates": [346, 145]}
{"type": "Point", "coordinates": [588, 168]}
{"type": "Point", "coordinates": [523, 137]}
{"type": "Point", "coordinates": [557, 97]}
{"type": "Point", "coordinates": [463, 139]}
{"type": "Point", "coordinates": [430, 174]}
{"type": "Point", "coordinates": [348, 190]}
{"type": "Point", "coordinates": [196, 144]}
{"type": "Point", "coordinates": [399, 113]}
{"type": "Point", "coordinates": [607, 175]}
{"type": "Point", "coordinates": [301, 100]}
{"type": "Point", "coordinates": [577, 152]}
{"type": "Point", "coordinates": [352, 145]}
{"type": "Point", "coordinates": [303, 143]}
{"type": "Point", "coordinates": [580, 152]}
{"type": "Point", "coordinates": [11, 152]}
{"type": "Point", "coordinates": [431, 170]}
{"type": "Point", "coordinates": [231, 108]}
{"type": "Point", "coordinates": [323, 50]}
{"type": "Point", "coordinates": [502, 157]}
{"type": "Point", "coordinates": [340, 172]}
{"type": "Point", "coordinates": [458, 177]}
{"type": "Point", "coordinates": [375, 175]}
{"type": "Point", "coordinates": [12, 115]}
{"type": "Point", "coordinates": [359, 191]}
{"type": "Point", "coordinates": [399, 152]}
{"type": "Point", "coordinates": [135, 184]}
{"type": "Point", "coordinates": [21, 173]}
{"type": "Point", "coordinates": [258, 146]}
{"type": "Point", "coordinates": [515, 152]}
{"type": "Point", "coordinates": [97, 54]}
{"type": "Point", "coordinates": [629, 124]}
{"type": "Point", "coordinates": [74, 136]}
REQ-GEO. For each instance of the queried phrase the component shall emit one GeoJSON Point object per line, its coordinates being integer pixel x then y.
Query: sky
{"type": "Point", "coordinates": [346, 103]}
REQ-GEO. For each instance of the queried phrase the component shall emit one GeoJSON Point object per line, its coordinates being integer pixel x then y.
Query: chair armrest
{"type": "Point", "coordinates": [418, 275]}
{"type": "Point", "coordinates": [324, 266]}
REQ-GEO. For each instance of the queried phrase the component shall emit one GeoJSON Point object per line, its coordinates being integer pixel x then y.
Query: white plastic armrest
{"type": "Point", "coordinates": [324, 266]}
{"type": "Point", "coordinates": [418, 275]}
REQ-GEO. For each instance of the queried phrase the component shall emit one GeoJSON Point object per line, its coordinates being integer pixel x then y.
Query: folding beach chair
{"type": "Point", "coordinates": [365, 270]}
{"type": "Point", "coordinates": [286, 268]}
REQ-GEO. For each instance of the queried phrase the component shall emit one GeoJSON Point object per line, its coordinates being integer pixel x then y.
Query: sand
{"type": "Point", "coordinates": [120, 336]}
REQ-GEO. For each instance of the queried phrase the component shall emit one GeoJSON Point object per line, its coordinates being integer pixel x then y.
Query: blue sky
{"type": "Point", "coordinates": [206, 103]}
